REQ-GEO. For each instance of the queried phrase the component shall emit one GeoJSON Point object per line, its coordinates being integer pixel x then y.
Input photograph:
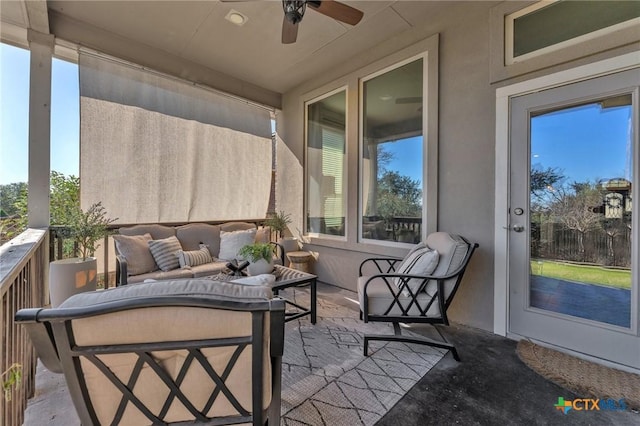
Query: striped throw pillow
{"type": "Point", "coordinates": [194, 257]}
{"type": "Point", "coordinates": [164, 252]}
{"type": "Point", "coordinates": [419, 262]}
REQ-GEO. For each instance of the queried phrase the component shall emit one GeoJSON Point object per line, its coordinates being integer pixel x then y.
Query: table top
{"type": "Point", "coordinates": [284, 276]}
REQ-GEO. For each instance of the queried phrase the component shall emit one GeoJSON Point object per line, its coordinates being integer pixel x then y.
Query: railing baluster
{"type": "Point", "coordinates": [21, 286]}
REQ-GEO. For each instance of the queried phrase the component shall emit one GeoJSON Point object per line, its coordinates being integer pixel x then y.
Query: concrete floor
{"type": "Point", "coordinates": [491, 386]}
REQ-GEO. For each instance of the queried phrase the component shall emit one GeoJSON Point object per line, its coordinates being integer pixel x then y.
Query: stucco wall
{"type": "Point", "coordinates": [466, 158]}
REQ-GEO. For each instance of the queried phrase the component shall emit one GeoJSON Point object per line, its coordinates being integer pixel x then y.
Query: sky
{"type": "Point", "coordinates": [14, 116]}
{"type": "Point", "coordinates": [407, 157]}
{"type": "Point", "coordinates": [586, 143]}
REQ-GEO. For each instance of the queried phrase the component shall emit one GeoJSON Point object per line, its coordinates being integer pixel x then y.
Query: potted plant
{"type": "Point", "coordinates": [78, 274]}
{"type": "Point", "coordinates": [260, 257]}
{"type": "Point", "coordinates": [278, 221]}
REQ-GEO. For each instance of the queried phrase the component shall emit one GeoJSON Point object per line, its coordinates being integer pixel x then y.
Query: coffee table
{"type": "Point", "coordinates": [286, 278]}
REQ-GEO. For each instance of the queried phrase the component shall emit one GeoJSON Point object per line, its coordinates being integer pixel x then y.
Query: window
{"type": "Point", "coordinates": [326, 165]}
{"type": "Point", "coordinates": [392, 166]}
{"type": "Point", "coordinates": [545, 27]}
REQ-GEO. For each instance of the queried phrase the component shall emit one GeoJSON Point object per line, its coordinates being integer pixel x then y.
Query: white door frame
{"type": "Point", "coordinates": [501, 222]}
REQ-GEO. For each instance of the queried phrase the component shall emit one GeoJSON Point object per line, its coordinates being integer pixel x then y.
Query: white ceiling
{"type": "Point", "coordinates": [161, 34]}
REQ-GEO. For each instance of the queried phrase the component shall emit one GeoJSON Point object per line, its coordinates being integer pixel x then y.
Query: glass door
{"type": "Point", "coordinates": [573, 249]}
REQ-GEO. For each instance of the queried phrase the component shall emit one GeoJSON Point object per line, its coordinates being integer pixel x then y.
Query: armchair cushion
{"type": "Point", "coordinates": [165, 251]}
{"type": "Point", "coordinates": [453, 250]}
{"type": "Point", "coordinates": [135, 249]}
{"type": "Point", "coordinates": [381, 296]}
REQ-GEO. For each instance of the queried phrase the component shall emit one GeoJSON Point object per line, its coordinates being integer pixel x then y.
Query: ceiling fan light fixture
{"type": "Point", "coordinates": [236, 18]}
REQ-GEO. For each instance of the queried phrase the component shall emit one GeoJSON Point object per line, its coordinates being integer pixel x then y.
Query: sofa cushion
{"type": "Point", "coordinates": [194, 234]}
{"type": "Point", "coordinates": [157, 232]}
{"type": "Point", "coordinates": [208, 269]}
{"type": "Point", "coordinates": [135, 249]}
{"type": "Point", "coordinates": [232, 242]}
{"type": "Point", "coordinates": [236, 226]}
{"type": "Point", "coordinates": [194, 257]}
{"type": "Point", "coordinates": [158, 275]}
{"type": "Point", "coordinates": [165, 251]}
{"type": "Point", "coordinates": [263, 235]}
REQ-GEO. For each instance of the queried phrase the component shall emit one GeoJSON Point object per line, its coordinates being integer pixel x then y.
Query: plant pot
{"type": "Point", "coordinates": [260, 267]}
{"type": "Point", "coordinates": [289, 244]}
{"type": "Point", "coordinates": [71, 276]}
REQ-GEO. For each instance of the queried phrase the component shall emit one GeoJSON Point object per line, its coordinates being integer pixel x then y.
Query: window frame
{"type": "Point", "coordinates": [429, 189]}
{"type": "Point", "coordinates": [509, 20]}
{"type": "Point", "coordinates": [343, 88]}
{"type": "Point", "coordinates": [429, 47]}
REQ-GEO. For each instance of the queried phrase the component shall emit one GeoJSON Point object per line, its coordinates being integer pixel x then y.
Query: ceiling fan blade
{"type": "Point", "coordinates": [337, 10]}
{"type": "Point", "coordinates": [289, 31]}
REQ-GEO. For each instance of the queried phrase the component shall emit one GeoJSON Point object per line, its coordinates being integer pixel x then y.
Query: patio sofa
{"type": "Point", "coordinates": [159, 252]}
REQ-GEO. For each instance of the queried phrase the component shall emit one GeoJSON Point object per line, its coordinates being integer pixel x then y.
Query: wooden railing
{"type": "Point", "coordinates": [23, 269]}
{"type": "Point", "coordinates": [57, 248]}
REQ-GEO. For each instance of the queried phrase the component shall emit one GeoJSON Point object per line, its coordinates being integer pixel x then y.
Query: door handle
{"type": "Point", "coordinates": [518, 228]}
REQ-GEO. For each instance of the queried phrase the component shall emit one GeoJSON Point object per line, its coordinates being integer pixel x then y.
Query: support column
{"type": "Point", "coordinates": [41, 48]}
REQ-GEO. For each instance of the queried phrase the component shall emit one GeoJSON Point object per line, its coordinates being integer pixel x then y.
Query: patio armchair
{"type": "Point", "coordinates": [416, 289]}
{"type": "Point", "coordinates": [163, 353]}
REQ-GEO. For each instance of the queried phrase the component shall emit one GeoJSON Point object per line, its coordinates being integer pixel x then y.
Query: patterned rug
{"type": "Point", "coordinates": [326, 380]}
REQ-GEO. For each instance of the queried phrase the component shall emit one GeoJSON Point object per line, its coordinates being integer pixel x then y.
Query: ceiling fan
{"type": "Point", "coordinates": [294, 12]}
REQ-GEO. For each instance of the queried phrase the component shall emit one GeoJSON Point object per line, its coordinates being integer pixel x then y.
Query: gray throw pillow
{"type": "Point", "coordinates": [419, 262]}
{"type": "Point", "coordinates": [135, 250]}
{"type": "Point", "coordinates": [194, 257]}
{"type": "Point", "coordinates": [165, 252]}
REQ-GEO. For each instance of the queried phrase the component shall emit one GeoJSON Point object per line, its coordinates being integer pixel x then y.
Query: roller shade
{"type": "Point", "coordinates": [157, 149]}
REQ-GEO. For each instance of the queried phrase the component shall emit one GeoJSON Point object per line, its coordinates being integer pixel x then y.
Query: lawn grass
{"type": "Point", "coordinates": [582, 273]}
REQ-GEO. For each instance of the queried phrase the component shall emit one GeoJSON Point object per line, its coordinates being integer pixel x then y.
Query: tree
{"type": "Point", "coordinates": [542, 184]}
{"type": "Point", "coordinates": [64, 199]}
{"type": "Point", "coordinates": [573, 207]}
{"type": "Point", "coordinates": [9, 194]}
{"type": "Point", "coordinates": [398, 195]}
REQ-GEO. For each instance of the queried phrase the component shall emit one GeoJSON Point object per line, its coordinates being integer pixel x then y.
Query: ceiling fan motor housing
{"type": "Point", "coordinates": [294, 10]}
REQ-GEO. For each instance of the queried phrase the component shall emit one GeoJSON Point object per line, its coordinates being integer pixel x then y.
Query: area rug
{"type": "Point", "coordinates": [326, 380]}
{"type": "Point", "coordinates": [580, 376]}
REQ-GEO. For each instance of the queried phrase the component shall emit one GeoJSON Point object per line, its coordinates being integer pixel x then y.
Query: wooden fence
{"type": "Point", "coordinates": [553, 241]}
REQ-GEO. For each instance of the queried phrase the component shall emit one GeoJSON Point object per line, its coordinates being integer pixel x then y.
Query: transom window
{"type": "Point", "coordinates": [548, 26]}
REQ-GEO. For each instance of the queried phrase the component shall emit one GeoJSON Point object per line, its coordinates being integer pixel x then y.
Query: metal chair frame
{"type": "Point", "coordinates": [386, 268]}
{"type": "Point", "coordinates": [52, 333]}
